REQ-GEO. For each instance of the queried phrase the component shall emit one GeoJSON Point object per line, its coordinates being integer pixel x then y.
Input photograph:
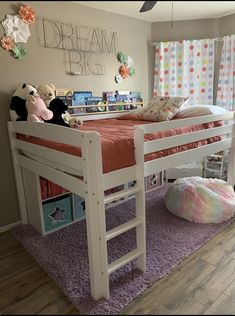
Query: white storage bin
{"type": "Point", "coordinates": [186, 170]}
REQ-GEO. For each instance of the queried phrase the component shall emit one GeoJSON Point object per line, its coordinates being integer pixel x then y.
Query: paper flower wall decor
{"type": "Point", "coordinates": [121, 57]}
{"type": "Point", "coordinates": [27, 14]}
{"type": "Point", "coordinates": [127, 69]}
{"type": "Point", "coordinates": [132, 71]}
{"type": "Point", "coordinates": [129, 61]}
{"type": "Point", "coordinates": [124, 72]}
{"type": "Point", "coordinates": [118, 78]}
{"type": "Point", "coordinates": [7, 42]}
{"type": "Point", "coordinates": [18, 52]}
{"type": "Point", "coordinates": [16, 29]}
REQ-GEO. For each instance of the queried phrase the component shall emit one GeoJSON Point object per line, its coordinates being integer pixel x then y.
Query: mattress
{"type": "Point", "coordinates": [117, 143]}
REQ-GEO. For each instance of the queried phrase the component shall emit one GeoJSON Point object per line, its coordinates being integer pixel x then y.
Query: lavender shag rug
{"type": "Point", "coordinates": [64, 255]}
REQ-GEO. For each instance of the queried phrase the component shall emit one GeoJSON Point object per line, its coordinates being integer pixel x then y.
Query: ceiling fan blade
{"type": "Point", "coordinates": [147, 6]}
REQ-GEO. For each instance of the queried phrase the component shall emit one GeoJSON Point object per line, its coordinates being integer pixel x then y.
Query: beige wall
{"type": "Point", "coordinates": [193, 29]}
{"type": "Point", "coordinates": [227, 25]}
{"type": "Point", "coordinates": [43, 65]}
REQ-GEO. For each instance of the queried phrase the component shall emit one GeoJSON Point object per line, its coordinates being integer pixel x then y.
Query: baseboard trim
{"type": "Point", "coordinates": [6, 228]}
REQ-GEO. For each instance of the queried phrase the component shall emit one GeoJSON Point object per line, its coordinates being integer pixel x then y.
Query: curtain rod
{"type": "Point", "coordinates": [219, 39]}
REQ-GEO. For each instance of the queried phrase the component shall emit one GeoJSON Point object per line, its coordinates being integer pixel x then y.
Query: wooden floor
{"type": "Point", "coordinates": [203, 284]}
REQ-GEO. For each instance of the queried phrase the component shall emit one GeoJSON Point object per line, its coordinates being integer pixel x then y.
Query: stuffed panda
{"type": "Point", "coordinates": [58, 108]}
{"type": "Point", "coordinates": [18, 110]}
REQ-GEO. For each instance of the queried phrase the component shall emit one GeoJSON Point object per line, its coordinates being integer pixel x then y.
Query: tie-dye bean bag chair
{"type": "Point", "coordinates": [201, 200]}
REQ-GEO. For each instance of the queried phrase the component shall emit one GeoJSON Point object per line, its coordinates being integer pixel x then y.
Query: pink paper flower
{"type": "Point", "coordinates": [7, 42]}
{"type": "Point", "coordinates": [124, 72]}
{"type": "Point", "coordinates": [27, 14]}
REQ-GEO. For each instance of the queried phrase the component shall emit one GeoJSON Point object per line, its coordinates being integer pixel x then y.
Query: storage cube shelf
{"type": "Point", "coordinates": [216, 166]}
{"type": "Point", "coordinates": [79, 207]}
{"type": "Point", "coordinates": [57, 212]}
{"type": "Point", "coordinates": [68, 208]}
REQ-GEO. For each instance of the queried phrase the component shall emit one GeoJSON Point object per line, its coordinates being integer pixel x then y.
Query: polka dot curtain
{"type": "Point", "coordinates": [226, 83]}
{"type": "Point", "coordinates": [185, 68]}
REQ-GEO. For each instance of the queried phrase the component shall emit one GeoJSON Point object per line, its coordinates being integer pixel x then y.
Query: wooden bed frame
{"type": "Point", "coordinates": [27, 172]}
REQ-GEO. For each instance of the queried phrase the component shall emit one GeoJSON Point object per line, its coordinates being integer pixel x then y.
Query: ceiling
{"type": "Point", "coordinates": [162, 11]}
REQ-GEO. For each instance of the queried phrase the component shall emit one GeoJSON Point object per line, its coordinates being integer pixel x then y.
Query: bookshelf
{"type": "Point", "coordinates": [103, 108]}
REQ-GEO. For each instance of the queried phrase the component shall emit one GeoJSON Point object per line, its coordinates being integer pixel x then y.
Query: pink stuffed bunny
{"type": "Point", "coordinates": [37, 110]}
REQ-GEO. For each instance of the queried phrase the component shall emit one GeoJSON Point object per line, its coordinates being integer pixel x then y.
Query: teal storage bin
{"type": "Point", "coordinates": [57, 212]}
{"type": "Point", "coordinates": [79, 207]}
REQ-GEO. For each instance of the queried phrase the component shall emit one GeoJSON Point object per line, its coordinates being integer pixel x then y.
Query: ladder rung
{"type": "Point", "coordinates": [124, 260]}
{"type": "Point", "coordinates": [123, 228]}
{"type": "Point", "coordinates": [121, 194]}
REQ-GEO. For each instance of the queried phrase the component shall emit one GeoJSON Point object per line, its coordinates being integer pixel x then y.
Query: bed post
{"type": "Point", "coordinates": [18, 177]}
{"type": "Point", "coordinates": [140, 197]}
{"type": "Point", "coordinates": [95, 215]}
{"type": "Point", "coordinates": [231, 159]}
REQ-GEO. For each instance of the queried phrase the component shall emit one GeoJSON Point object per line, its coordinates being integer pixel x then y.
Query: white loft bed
{"type": "Point", "coordinates": [28, 170]}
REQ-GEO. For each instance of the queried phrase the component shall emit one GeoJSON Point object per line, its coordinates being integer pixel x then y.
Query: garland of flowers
{"type": "Point", "coordinates": [17, 31]}
{"type": "Point", "coordinates": [127, 69]}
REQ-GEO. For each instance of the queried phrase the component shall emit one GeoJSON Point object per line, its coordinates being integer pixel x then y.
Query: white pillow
{"type": "Point", "coordinates": [199, 110]}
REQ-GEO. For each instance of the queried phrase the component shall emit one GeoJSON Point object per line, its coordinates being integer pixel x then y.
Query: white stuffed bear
{"type": "Point", "coordinates": [48, 93]}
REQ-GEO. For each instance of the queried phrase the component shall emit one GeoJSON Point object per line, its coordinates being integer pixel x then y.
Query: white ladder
{"type": "Point", "coordinates": [138, 222]}
{"type": "Point", "coordinates": [97, 236]}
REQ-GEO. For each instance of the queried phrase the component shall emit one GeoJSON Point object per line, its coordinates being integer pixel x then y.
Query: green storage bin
{"type": "Point", "coordinates": [79, 207]}
{"type": "Point", "coordinates": [57, 212]}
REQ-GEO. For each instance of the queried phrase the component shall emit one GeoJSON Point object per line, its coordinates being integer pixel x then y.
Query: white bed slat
{"type": "Point", "coordinates": [50, 132]}
{"type": "Point", "coordinates": [120, 194]}
{"type": "Point", "coordinates": [119, 177]}
{"type": "Point", "coordinates": [69, 182]}
{"type": "Point", "coordinates": [168, 142]}
{"type": "Point", "coordinates": [161, 126]}
{"type": "Point", "coordinates": [177, 159]}
{"type": "Point", "coordinates": [99, 116]}
{"type": "Point", "coordinates": [50, 154]}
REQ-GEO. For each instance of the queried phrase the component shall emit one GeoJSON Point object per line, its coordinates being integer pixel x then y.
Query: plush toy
{"type": "Point", "coordinates": [46, 92]}
{"type": "Point", "coordinates": [18, 110]}
{"type": "Point", "coordinates": [37, 110]}
{"type": "Point", "coordinates": [58, 108]}
{"type": "Point", "coordinates": [73, 122]}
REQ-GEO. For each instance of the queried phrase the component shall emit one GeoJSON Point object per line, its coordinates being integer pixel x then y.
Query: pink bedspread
{"type": "Point", "coordinates": [118, 144]}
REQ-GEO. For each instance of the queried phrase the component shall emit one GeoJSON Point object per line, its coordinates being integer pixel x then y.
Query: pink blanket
{"type": "Point", "coordinates": [118, 144]}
